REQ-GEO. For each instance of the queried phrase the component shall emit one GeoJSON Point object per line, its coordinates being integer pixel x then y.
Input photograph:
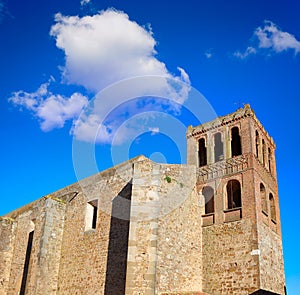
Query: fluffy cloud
{"type": "Point", "coordinates": [52, 110]}
{"type": "Point", "coordinates": [105, 48]}
{"type": "Point", "coordinates": [270, 38]}
{"type": "Point", "coordinates": [101, 51]}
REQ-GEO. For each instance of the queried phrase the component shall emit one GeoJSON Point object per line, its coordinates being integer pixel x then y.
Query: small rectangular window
{"type": "Point", "coordinates": [91, 215]}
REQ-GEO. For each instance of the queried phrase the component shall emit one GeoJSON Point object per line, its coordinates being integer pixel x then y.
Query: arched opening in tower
{"type": "Point", "coordinates": [202, 153]}
{"type": "Point", "coordinates": [236, 147]}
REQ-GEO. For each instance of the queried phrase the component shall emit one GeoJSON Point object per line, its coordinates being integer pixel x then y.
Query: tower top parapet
{"type": "Point", "coordinates": [239, 114]}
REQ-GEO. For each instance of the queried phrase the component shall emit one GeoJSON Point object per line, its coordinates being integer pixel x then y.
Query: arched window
{"type": "Point", "coordinates": [219, 155]}
{"type": "Point", "coordinates": [236, 148]}
{"type": "Point", "coordinates": [269, 159]}
{"type": "Point", "coordinates": [234, 194]}
{"type": "Point", "coordinates": [263, 152]}
{"type": "Point", "coordinates": [257, 144]}
{"type": "Point", "coordinates": [272, 207]}
{"type": "Point", "coordinates": [263, 198]}
{"type": "Point", "coordinates": [202, 153]}
{"type": "Point", "coordinates": [208, 194]}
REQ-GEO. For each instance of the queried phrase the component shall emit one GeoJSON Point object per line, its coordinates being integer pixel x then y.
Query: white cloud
{"type": "Point", "coordinates": [101, 51]}
{"type": "Point", "coordinates": [249, 51]}
{"type": "Point", "coordinates": [53, 110]}
{"type": "Point", "coordinates": [208, 54]}
{"type": "Point", "coordinates": [105, 48]}
{"type": "Point", "coordinates": [270, 39]}
{"type": "Point", "coordinates": [84, 2]}
{"type": "Point", "coordinates": [150, 96]}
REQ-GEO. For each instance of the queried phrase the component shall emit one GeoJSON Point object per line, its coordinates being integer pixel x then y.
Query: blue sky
{"type": "Point", "coordinates": [58, 57]}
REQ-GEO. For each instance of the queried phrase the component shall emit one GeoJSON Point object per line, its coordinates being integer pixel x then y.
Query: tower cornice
{"type": "Point", "coordinates": [236, 116]}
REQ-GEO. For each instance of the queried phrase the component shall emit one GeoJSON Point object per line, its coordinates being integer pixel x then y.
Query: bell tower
{"type": "Point", "coordinates": [237, 182]}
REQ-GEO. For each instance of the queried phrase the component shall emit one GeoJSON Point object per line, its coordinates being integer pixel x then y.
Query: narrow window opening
{"type": "Point", "coordinates": [234, 194]}
{"type": "Point", "coordinates": [208, 194]}
{"type": "Point", "coordinates": [269, 159]}
{"type": "Point", "coordinates": [272, 207]}
{"type": "Point", "coordinates": [26, 263]}
{"type": "Point", "coordinates": [202, 153]}
{"type": "Point", "coordinates": [257, 143]}
{"type": "Point", "coordinates": [236, 147]}
{"type": "Point", "coordinates": [218, 148]}
{"type": "Point", "coordinates": [91, 215]}
{"type": "Point", "coordinates": [263, 198]}
{"type": "Point", "coordinates": [94, 222]}
{"type": "Point", "coordinates": [263, 152]}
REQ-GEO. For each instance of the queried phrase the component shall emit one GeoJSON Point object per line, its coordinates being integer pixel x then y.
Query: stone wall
{"type": "Point", "coordinates": [229, 263]}
{"type": "Point", "coordinates": [179, 248]}
{"type": "Point", "coordinates": [141, 263]}
{"type": "Point", "coordinates": [7, 228]}
{"type": "Point", "coordinates": [93, 261]}
{"type": "Point", "coordinates": [45, 219]}
{"type": "Point", "coordinates": [164, 253]}
{"type": "Point", "coordinates": [50, 247]}
{"type": "Point", "coordinates": [270, 260]}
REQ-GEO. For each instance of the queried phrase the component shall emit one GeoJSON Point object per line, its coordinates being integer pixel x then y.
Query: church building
{"type": "Point", "coordinates": [210, 227]}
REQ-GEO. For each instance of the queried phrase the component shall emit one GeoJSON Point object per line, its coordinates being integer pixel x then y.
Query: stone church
{"type": "Point", "coordinates": [141, 228]}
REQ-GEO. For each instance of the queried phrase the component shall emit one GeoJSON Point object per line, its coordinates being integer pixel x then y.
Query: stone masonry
{"type": "Point", "coordinates": [210, 227]}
